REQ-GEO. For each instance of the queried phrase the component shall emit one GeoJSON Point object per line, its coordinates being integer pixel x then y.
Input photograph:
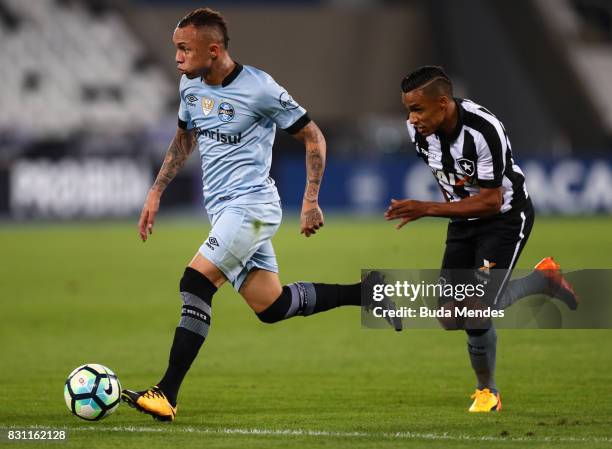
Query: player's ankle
{"type": "Point", "coordinates": [170, 396]}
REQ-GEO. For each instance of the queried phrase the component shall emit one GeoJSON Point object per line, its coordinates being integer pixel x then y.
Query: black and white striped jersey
{"type": "Point", "coordinates": [477, 154]}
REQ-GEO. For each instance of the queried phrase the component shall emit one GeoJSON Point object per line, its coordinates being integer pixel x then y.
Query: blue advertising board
{"type": "Point", "coordinates": [566, 186]}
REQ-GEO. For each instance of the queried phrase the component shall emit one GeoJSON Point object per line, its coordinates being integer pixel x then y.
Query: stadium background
{"type": "Point", "coordinates": [88, 102]}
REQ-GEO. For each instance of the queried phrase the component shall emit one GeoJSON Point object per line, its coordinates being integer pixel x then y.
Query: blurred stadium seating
{"type": "Point", "coordinates": [67, 66]}
{"type": "Point", "coordinates": [585, 29]}
{"type": "Point", "coordinates": [88, 86]}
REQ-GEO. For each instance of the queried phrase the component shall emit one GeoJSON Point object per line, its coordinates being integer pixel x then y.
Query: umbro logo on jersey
{"type": "Point", "coordinates": [467, 166]}
{"type": "Point", "coordinates": [212, 242]}
{"type": "Point", "coordinates": [192, 100]}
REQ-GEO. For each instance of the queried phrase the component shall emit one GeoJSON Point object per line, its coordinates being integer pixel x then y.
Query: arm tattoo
{"type": "Point", "coordinates": [315, 160]}
{"type": "Point", "coordinates": [313, 217]}
{"type": "Point", "coordinates": [179, 151]}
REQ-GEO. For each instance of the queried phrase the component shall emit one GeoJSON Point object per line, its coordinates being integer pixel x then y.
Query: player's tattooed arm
{"type": "Point", "coordinates": [179, 151]}
{"type": "Point", "coordinates": [312, 217]}
{"type": "Point", "coordinates": [316, 148]}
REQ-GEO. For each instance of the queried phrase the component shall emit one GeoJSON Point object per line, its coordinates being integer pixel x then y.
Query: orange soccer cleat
{"type": "Point", "coordinates": [558, 286]}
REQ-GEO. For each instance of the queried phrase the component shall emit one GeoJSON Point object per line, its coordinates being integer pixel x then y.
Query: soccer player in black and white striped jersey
{"type": "Point", "coordinates": [491, 215]}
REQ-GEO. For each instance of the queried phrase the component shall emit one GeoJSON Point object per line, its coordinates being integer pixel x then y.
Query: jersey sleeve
{"type": "Point", "coordinates": [490, 149]}
{"type": "Point", "coordinates": [275, 103]}
{"type": "Point", "coordinates": [184, 118]}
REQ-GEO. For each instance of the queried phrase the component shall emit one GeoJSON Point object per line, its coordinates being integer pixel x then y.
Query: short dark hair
{"type": "Point", "coordinates": [206, 17]}
{"type": "Point", "coordinates": [440, 82]}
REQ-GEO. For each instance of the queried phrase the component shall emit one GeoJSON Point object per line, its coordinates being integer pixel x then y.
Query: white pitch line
{"type": "Point", "coordinates": [324, 433]}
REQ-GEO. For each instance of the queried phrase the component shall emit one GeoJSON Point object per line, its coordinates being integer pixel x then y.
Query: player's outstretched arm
{"type": "Point", "coordinates": [311, 217]}
{"type": "Point", "coordinates": [179, 151]}
{"type": "Point", "coordinates": [487, 202]}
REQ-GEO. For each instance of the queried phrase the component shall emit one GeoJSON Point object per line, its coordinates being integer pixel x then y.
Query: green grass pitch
{"type": "Point", "coordinates": [78, 293]}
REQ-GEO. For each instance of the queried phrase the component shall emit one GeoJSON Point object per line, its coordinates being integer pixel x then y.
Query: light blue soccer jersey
{"type": "Point", "coordinates": [235, 124]}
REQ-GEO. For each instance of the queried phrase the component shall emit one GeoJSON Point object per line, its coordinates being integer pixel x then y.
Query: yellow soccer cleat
{"type": "Point", "coordinates": [486, 401]}
{"type": "Point", "coordinates": [152, 402]}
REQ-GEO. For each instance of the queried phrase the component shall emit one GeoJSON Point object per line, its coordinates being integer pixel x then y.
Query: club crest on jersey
{"type": "Point", "coordinates": [466, 166]}
{"type": "Point", "coordinates": [225, 112]}
{"type": "Point", "coordinates": [207, 105]}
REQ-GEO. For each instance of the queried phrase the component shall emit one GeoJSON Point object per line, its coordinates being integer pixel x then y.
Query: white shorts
{"type": "Point", "coordinates": [241, 240]}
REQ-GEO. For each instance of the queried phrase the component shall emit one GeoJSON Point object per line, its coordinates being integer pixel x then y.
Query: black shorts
{"type": "Point", "coordinates": [490, 245]}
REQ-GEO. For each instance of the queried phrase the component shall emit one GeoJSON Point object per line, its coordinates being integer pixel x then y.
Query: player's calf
{"type": "Point", "coordinates": [160, 400]}
{"type": "Point", "coordinates": [545, 279]}
{"type": "Point", "coordinates": [307, 298]}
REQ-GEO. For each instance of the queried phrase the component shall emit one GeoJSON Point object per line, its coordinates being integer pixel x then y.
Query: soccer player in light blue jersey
{"type": "Point", "coordinates": [230, 112]}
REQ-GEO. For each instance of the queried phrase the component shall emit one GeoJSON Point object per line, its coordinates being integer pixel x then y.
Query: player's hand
{"type": "Point", "coordinates": [405, 210]}
{"type": "Point", "coordinates": [311, 218]}
{"type": "Point", "coordinates": [147, 216]}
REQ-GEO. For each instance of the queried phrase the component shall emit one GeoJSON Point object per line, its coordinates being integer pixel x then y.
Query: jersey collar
{"type": "Point", "coordinates": [232, 75]}
{"type": "Point", "coordinates": [455, 133]}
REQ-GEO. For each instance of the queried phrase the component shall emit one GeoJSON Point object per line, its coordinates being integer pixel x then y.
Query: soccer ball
{"type": "Point", "coordinates": [92, 392]}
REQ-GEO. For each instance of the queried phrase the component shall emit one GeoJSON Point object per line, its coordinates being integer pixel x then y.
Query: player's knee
{"type": "Point", "coordinates": [197, 293]}
{"type": "Point", "coordinates": [449, 324]}
{"type": "Point", "coordinates": [277, 311]}
{"type": "Point", "coordinates": [267, 319]}
{"type": "Point", "coordinates": [195, 283]}
{"type": "Point", "coordinates": [481, 331]}
{"type": "Point", "coordinates": [449, 321]}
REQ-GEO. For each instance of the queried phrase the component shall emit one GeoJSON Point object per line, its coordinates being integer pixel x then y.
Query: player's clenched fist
{"type": "Point", "coordinates": [147, 216]}
{"type": "Point", "coordinates": [311, 218]}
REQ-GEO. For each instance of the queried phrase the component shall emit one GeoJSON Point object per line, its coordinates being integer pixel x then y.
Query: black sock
{"type": "Point", "coordinates": [185, 347]}
{"type": "Point", "coordinates": [305, 298]}
{"type": "Point", "coordinates": [197, 292]}
{"type": "Point", "coordinates": [330, 296]}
